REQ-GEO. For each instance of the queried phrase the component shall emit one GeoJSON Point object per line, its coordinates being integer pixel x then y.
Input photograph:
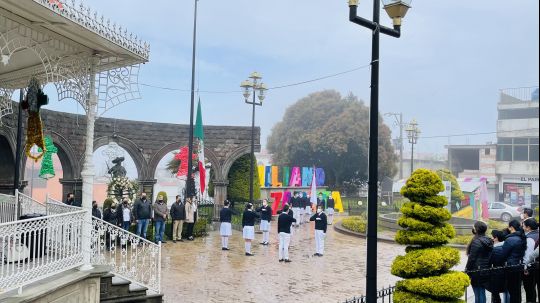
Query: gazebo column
{"type": "Point", "coordinates": [88, 171]}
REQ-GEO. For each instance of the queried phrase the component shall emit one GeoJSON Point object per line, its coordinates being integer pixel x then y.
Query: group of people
{"type": "Point", "coordinates": [506, 261]}
{"type": "Point", "coordinates": [288, 218]}
{"type": "Point", "coordinates": [302, 207]}
{"type": "Point", "coordinates": [144, 212]}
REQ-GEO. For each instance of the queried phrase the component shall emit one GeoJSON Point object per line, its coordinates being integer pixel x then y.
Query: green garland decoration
{"type": "Point", "coordinates": [47, 168]}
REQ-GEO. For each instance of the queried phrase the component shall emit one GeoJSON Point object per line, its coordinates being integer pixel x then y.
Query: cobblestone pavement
{"type": "Point", "coordinates": [200, 271]}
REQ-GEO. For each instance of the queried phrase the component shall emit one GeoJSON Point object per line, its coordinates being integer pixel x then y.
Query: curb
{"type": "Point", "coordinates": [342, 230]}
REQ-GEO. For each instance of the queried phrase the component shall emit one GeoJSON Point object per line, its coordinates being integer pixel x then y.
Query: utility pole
{"type": "Point", "coordinates": [399, 122]}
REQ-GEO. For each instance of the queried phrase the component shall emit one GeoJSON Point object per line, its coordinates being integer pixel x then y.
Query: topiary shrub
{"type": "Point", "coordinates": [427, 263]}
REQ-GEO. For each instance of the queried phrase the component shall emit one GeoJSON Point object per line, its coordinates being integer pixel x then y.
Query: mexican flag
{"type": "Point", "coordinates": [199, 134]}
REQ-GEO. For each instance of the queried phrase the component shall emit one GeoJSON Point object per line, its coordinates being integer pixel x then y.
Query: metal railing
{"type": "Point", "coordinates": [129, 256]}
{"type": "Point", "coordinates": [8, 208]}
{"type": "Point", "coordinates": [519, 94]}
{"type": "Point", "coordinates": [383, 296]}
{"type": "Point", "coordinates": [38, 248]}
{"type": "Point", "coordinates": [55, 207]}
{"type": "Point", "coordinates": [30, 206]}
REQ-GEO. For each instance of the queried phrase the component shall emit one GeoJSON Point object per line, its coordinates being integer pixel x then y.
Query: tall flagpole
{"type": "Point", "coordinates": [189, 180]}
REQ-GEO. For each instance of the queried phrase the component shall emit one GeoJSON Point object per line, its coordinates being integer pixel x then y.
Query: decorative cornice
{"type": "Point", "coordinates": [83, 15]}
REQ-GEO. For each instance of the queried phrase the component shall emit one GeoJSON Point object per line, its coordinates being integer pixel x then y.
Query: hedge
{"type": "Point", "coordinates": [238, 189]}
{"type": "Point", "coordinates": [435, 236]}
{"type": "Point", "coordinates": [407, 297]}
{"type": "Point", "coordinates": [356, 224]}
{"type": "Point", "coordinates": [426, 212]}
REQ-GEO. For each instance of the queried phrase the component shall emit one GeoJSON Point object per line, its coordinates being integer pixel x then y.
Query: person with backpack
{"type": "Point", "coordinates": [479, 252]}
{"type": "Point", "coordinates": [530, 227]}
{"type": "Point", "coordinates": [513, 252]}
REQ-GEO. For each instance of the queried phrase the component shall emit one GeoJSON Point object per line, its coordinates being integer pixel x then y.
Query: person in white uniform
{"type": "Point", "coordinates": [285, 221]}
{"type": "Point", "coordinates": [266, 217]}
{"type": "Point", "coordinates": [248, 227]}
{"type": "Point", "coordinates": [225, 229]}
{"type": "Point", "coordinates": [320, 231]}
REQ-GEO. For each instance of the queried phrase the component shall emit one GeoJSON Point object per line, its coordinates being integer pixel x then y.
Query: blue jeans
{"type": "Point", "coordinates": [160, 230]}
{"type": "Point", "coordinates": [142, 226]}
{"type": "Point", "coordinates": [126, 224]}
{"type": "Point", "coordinates": [479, 294]}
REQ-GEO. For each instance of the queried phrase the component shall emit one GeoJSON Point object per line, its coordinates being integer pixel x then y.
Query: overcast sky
{"type": "Point", "coordinates": [445, 71]}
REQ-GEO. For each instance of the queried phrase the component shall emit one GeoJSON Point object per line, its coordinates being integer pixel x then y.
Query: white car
{"type": "Point", "coordinates": [503, 211]}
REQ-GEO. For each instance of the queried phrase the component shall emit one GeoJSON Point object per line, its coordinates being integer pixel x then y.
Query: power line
{"type": "Point", "coordinates": [271, 88]}
{"type": "Point", "coordinates": [478, 134]}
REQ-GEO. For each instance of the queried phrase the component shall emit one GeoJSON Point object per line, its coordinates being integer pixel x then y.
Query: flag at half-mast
{"type": "Point", "coordinates": [199, 134]}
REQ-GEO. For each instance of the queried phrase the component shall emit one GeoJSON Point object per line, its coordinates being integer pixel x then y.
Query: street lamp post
{"type": "Point", "coordinates": [412, 133]}
{"type": "Point", "coordinates": [252, 87]}
{"type": "Point", "coordinates": [396, 9]}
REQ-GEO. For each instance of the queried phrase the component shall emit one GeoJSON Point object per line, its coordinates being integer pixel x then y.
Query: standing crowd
{"type": "Point", "coordinates": [506, 262]}
{"type": "Point", "coordinates": [298, 210]}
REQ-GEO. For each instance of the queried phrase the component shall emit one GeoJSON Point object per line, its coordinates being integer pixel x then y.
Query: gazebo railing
{"type": "Point", "coordinates": [55, 207]}
{"type": "Point", "coordinates": [8, 208]}
{"type": "Point", "coordinates": [129, 256]}
{"type": "Point", "coordinates": [38, 248]}
{"type": "Point", "coordinates": [30, 206]}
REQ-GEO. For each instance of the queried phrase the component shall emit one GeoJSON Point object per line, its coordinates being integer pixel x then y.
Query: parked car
{"type": "Point", "coordinates": [503, 211]}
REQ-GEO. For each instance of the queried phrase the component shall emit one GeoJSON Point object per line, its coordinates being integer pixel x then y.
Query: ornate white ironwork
{"type": "Point", "coordinates": [38, 248]}
{"type": "Point", "coordinates": [129, 255]}
{"type": "Point", "coordinates": [30, 206]}
{"type": "Point", "coordinates": [73, 79]}
{"type": "Point", "coordinates": [77, 12]}
{"type": "Point", "coordinates": [56, 207]}
{"type": "Point", "coordinates": [117, 86]}
{"type": "Point", "coordinates": [6, 106]}
{"type": "Point", "coordinates": [8, 208]}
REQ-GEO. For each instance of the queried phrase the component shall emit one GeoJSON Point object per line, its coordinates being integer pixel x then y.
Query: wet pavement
{"type": "Point", "coordinates": [200, 271]}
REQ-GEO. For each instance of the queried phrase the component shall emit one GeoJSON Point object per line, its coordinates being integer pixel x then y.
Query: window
{"type": "Point", "coordinates": [517, 149]}
{"type": "Point", "coordinates": [504, 153]}
{"type": "Point", "coordinates": [519, 113]}
{"type": "Point", "coordinates": [487, 151]}
{"type": "Point", "coordinates": [498, 206]}
{"type": "Point", "coordinates": [533, 153]}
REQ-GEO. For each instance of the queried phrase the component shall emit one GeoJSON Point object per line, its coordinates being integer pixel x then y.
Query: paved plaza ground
{"type": "Point", "coordinates": [200, 271]}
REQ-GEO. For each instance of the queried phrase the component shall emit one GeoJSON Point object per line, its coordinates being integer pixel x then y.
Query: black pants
{"type": "Point", "coordinates": [514, 286]}
{"type": "Point", "coordinates": [190, 229]}
{"type": "Point", "coordinates": [529, 283]}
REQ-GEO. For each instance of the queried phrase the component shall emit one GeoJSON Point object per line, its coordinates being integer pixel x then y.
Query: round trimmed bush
{"type": "Point", "coordinates": [447, 286]}
{"type": "Point", "coordinates": [425, 212]}
{"type": "Point", "coordinates": [426, 262]}
{"type": "Point", "coordinates": [433, 237]}
{"type": "Point", "coordinates": [422, 184]}
{"type": "Point", "coordinates": [411, 222]}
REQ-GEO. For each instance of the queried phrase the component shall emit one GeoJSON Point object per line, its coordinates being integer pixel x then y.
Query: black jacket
{"type": "Point", "coordinates": [321, 202]}
{"type": "Point", "coordinates": [178, 211]}
{"type": "Point", "coordinates": [479, 252]}
{"type": "Point", "coordinates": [296, 202]}
{"type": "Point", "coordinates": [110, 216]}
{"type": "Point", "coordinates": [266, 213]}
{"type": "Point", "coordinates": [330, 203]}
{"type": "Point", "coordinates": [284, 223]}
{"type": "Point", "coordinates": [225, 215]}
{"type": "Point", "coordinates": [142, 209]}
{"type": "Point", "coordinates": [248, 218]}
{"type": "Point", "coordinates": [514, 247]}
{"type": "Point", "coordinates": [96, 213]}
{"type": "Point", "coordinates": [320, 221]}
{"type": "Point", "coordinates": [305, 202]}
{"type": "Point", "coordinates": [497, 283]}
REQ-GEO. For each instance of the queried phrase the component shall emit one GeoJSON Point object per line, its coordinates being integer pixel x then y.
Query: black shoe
{"type": "Point", "coordinates": [287, 261]}
{"type": "Point", "coordinates": [316, 254]}
{"type": "Point", "coordinates": [281, 260]}
{"type": "Point", "coordinates": [224, 248]}
{"type": "Point", "coordinates": [262, 243]}
{"type": "Point", "coordinates": [249, 254]}
{"type": "Point", "coordinates": [173, 241]}
{"type": "Point", "coordinates": [163, 242]}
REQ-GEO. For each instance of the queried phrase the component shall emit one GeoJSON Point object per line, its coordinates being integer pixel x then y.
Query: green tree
{"type": "Point", "coordinates": [331, 132]}
{"type": "Point", "coordinates": [238, 189]}
{"type": "Point", "coordinates": [457, 195]}
{"type": "Point", "coordinates": [427, 262]}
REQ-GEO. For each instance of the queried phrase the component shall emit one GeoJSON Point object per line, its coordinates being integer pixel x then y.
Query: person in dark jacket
{"type": "Point", "coordinates": [478, 252]}
{"type": "Point", "coordinates": [225, 229]}
{"type": "Point", "coordinates": [320, 230]}
{"type": "Point", "coordinates": [110, 216]}
{"type": "Point", "coordinates": [266, 217]}
{"type": "Point", "coordinates": [142, 213]}
{"type": "Point", "coordinates": [248, 227]}
{"type": "Point", "coordinates": [285, 220]}
{"type": "Point", "coordinates": [296, 203]}
{"type": "Point", "coordinates": [497, 278]}
{"type": "Point", "coordinates": [330, 204]}
{"type": "Point", "coordinates": [530, 227]}
{"type": "Point", "coordinates": [513, 251]}
{"type": "Point", "coordinates": [95, 210]}
{"type": "Point", "coordinates": [69, 199]}
{"type": "Point", "coordinates": [321, 201]}
{"type": "Point", "coordinates": [178, 215]}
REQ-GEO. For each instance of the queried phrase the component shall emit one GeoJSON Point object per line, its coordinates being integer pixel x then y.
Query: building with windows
{"type": "Point", "coordinates": [510, 165]}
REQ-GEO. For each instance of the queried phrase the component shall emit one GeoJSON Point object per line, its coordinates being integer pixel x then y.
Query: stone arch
{"type": "Point", "coordinates": [233, 156]}
{"type": "Point", "coordinates": [156, 158]}
{"type": "Point", "coordinates": [133, 150]}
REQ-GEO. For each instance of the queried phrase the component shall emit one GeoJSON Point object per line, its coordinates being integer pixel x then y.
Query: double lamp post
{"type": "Point", "coordinates": [396, 9]}
{"type": "Point", "coordinates": [256, 88]}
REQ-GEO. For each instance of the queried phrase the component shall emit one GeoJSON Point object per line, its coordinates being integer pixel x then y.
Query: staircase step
{"type": "Point", "coordinates": [154, 298]}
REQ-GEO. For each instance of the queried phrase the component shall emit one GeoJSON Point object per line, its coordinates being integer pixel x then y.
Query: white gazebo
{"type": "Point", "coordinates": [87, 57]}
